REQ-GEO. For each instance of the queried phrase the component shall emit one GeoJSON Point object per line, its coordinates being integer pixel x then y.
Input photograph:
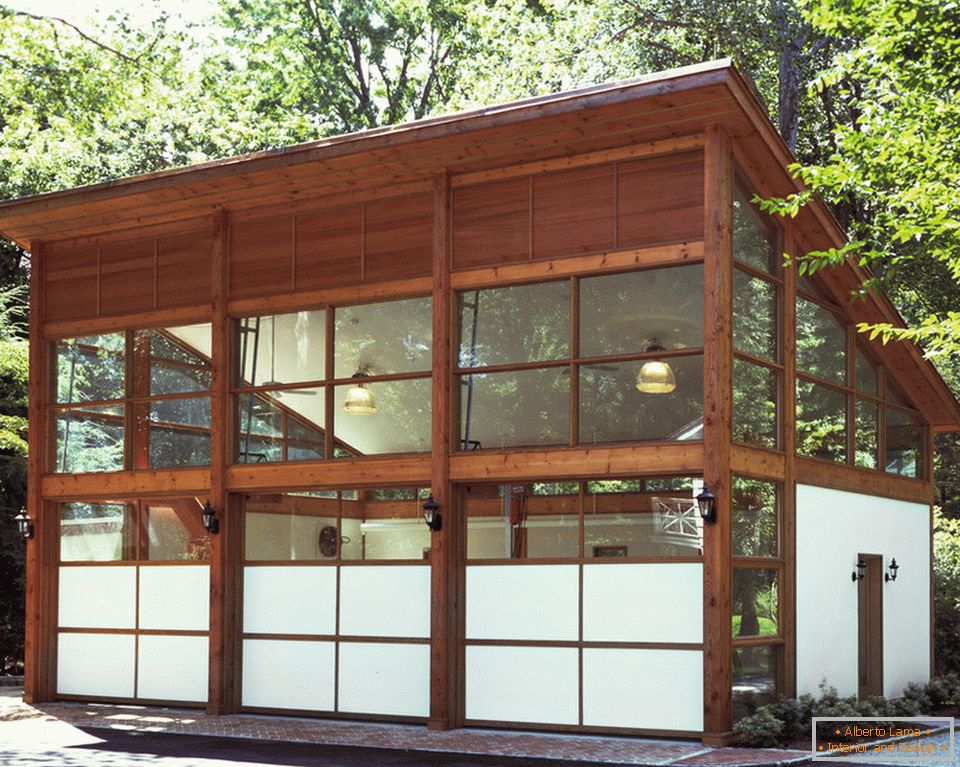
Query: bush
{"type": "Point", "coordinates": [788, 719]}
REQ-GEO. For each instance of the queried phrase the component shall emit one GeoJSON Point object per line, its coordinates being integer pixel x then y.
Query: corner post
{"type": "Point", "coordinates": [224, 546]}
{"type": "Point", "coordinates": [445, 545]}
{"type": "Point", "coordinates": [41, 575]}
{"type": "Point", "coordinates": [788, 493]}
{"type": "Point", "coordinates": [717, 434]}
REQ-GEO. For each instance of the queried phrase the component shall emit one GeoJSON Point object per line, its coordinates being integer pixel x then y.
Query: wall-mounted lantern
{"type": "Point", "coordinates": [210, 522]}
{"type": "Point", "coordinates": [431, 514]}
{"type": "Point", "coordinates": [24, 524]}
{"type": "Point", "coordinates": [861, 572]}
{"type": "Point", "coordinates": [891, 574]}
{"type": "Point", "coordinates": [707, 503]}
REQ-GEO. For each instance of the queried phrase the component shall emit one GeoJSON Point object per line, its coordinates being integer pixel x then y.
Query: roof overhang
{"type": "Point", "coordinates": [677, 103]}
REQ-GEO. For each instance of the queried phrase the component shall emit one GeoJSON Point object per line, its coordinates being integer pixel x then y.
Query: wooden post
{"type": "Point", "coordinates": [39, 637]}
{"type": "Point", "coordinates": [224, 547]}
{"type": "Point", "coordinates": [788, 492]}
{"type": "Point", "coordinates": [446, 545]}
{"type": "Point", "coordinates": [717, 434]}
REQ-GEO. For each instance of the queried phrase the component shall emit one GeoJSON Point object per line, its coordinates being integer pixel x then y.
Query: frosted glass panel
{"type": "Point", "coordinates": [523, 684]}
{"type": "Point", "coordinates": [175, 598]}
{"type": "Point", "coordinates": [385, 601]}
{"type": "Point", "coordinates": [285, 674]}
{"type": "Point", "coordinates": [643, 603]}
{"type": "Point", "coordinates": [95, 664]}
{"type": "Point", "coordinates": [385, 678]}
{"type": "Point", "coordinates": [655, 689]}
{"type": "Point", "coordinates": [523, 602]}
{"type": "Point", "coordinates": [289, 600]}
{"type": "Point", "coordinates": [98, 597]}
{"type": "Point", "coordinates": [173, 668]}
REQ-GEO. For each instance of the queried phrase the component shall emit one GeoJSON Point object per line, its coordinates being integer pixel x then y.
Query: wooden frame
{"type": "Point", "coordinates": [168, 244]}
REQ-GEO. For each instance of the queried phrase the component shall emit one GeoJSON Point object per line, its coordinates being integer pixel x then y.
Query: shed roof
{"type": "Point", "coordinates": [676, 103]}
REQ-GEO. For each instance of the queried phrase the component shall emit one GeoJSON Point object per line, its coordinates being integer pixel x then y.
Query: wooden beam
{"type": "Point", "coordinates": [757, 462]}
{"type": "Point", "coordinates": [353, 294]}
{"type": "Point", "coordinates": [189, 315]}
{"type": "Point", "coordinates": [644, 149]}
{"type": "Point", "coordinates": [717, 434]}
{"type": "Point", "coordinates": [446, 545]}
{"type": "Point", "coordinates": [651, 460]}
{"type": "Point", "coordinates": [838, 476]}
{"type": "Point", "coordinates": [596, 263]}
{"type": "Point", "coordinates": [225, 551]}
{"type": "Point", "coordinates": [125, 484]}
{"type": "Point", "coordinates": [340, 474]}
{"type": "Point", "coordinates": [788, 492]}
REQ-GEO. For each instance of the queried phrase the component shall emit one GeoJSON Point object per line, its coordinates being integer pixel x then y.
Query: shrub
{"type": "Point", "coordinates": [761, 729]}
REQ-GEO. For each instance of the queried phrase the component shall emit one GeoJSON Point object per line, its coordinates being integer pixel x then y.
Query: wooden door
{"type": "Point", "coordinates": [870, 604]}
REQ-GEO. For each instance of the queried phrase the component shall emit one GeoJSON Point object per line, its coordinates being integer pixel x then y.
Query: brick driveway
{"type": "Point", "coordinates": [58, 725]}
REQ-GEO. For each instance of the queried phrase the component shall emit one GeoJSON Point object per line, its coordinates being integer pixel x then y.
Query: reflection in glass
{"type": "Point", "coordinates": [755, 397]}
{"type": "Point", "coordinates": [180, 432]}
{"type": "Point", "coordinates": [90, 369]}
{"type": "Point", "coordinates": [385, 338]}
{"type": "Point", "coordinates": [520, 408]}
{"type": "Point", "coordinates": [821, 343]}
{"type": "Point", "coordinates": [754, 679]}
{"type": "Point", "coordinates": [613, 410]}
{"type": "Point", "coordinates": [522, 323]}
{"type": "Point", "coordinates": [97, 532]}
{"type": "Point", "coordinates": [179, 358]}
{"type": "Point", "coordinates": [173, 531]}
{"type": "Point", "coordinates": [627, 313]}
{"type": "Point", "coordinates": [754, 241]}
{"type": "Point", "coordinates": [755, 316]}
{"type": "Point", "coordinates": [821, 422]}
{"type": "Point", "coordinates": [755, 529]}
{"type": "Point", "coordinates": [866, 374]}
{"type": "Point", "coordinates": [400, 425]}
{"type": "Point", "coordinates": [640, 524]}
{"type": "Point", "coordinates": [755, 601]}
{"type": "Point", "coordinates": [867, 433]}
{"type": "Point", "coordinates": [289, 526]}
{"type": "Point", "coordinates": [90, 439]}
{"type": "Point", "coordinates": [282, 348]}
{"type": "Point", "coordinates": [522, 521]}
{"type": "Point", "coordinates": [905, 444]}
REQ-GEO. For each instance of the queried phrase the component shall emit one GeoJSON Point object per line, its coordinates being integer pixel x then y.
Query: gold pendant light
{"type": "Point", "coordinates": [360, 400]}
{"type": "Point", "coordinates": [656, 376]}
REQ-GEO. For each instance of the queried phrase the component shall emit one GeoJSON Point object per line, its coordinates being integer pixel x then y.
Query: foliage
{"type": "Point", "coordinates": [788, 719]}
{"type": "Point", "coordinates": [946, 600]}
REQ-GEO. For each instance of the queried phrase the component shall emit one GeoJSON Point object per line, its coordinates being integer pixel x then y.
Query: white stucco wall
{"type": "Point", "coordinates": [834, 526]}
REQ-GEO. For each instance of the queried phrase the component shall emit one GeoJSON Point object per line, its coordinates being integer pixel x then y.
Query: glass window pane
{"type": "Point", "coordinates": [179, 358]}
{"type": "Point", "coordinates": [755, 601]}
{"type": "Point", "coordinates": [866, 374]}
{"type": "Point", "coordinates": [291, 526]}
{"type": "Point", "coordinates": [90, 439]}
{"type": "Point", "coordinates": [97, 532]}
{"type": "Point", "coordinates": [398, 423]}
{"type": "Point", "coordinates": [523, 323]}
{"type": "Point", "coordinates": [754, 242]}
{"type": "Point", "coordinates": [380, 339]}
{"type": "Point", "coordinates": [821, 343]}
{"type": "Point", "coordinates": [612, 409]}
{"type": "Point", "coordinates": [755, 522]}
{"type": "Point", "coordinates": [627, 523]}
{"type": "Point", "coordinates": [522, 408]}
{"type": "Point", "coordinates": [755, 672]}
{"type": "Point", "coordinates": [755, 316]}
{"type": "Point", "coordinates": [282, 348]}
{"type": "Point", "coordinates": [385, 525]}
{"type": "Point", "coordinates": [523, 521]}
{"type": "Point", "coordinates": [90, 369]}
{"type": "Point", "coordinates": [867, 433]}
{"type": "Point", "coordinates": [629, 313]}
{"type": "Point", "coordinates": [821, 422]}
{"type": "Point", "coordinates": [905, 444]}
{"type": "Point", "coordinates": [173, 530]}
{"type": "Point", "coordinates": [756, 391]}
{"type": "Point", "coordinates": [180, 432]}
{"type": "Point", "coordinates": [305, 442]}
